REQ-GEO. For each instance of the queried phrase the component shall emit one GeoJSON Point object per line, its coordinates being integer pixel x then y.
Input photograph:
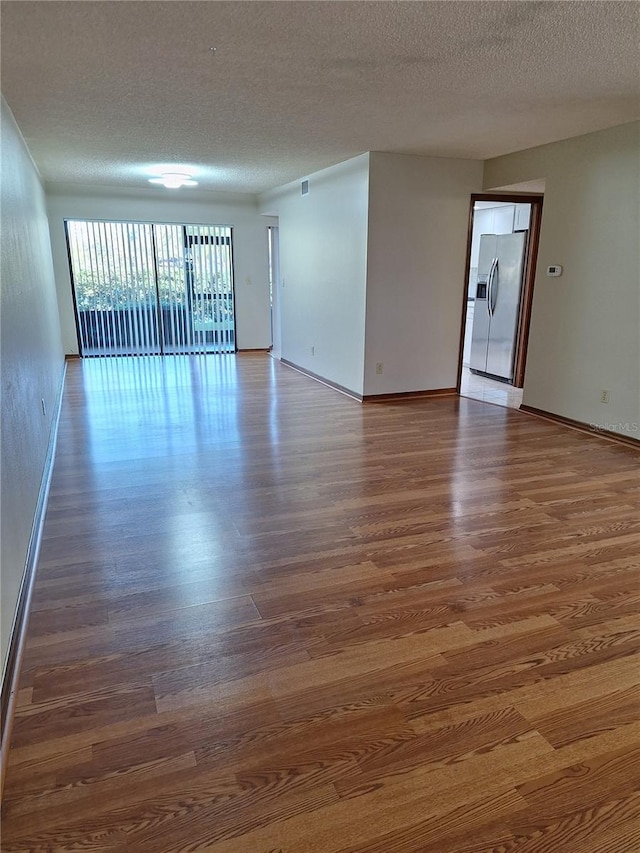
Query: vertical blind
{"type": "Point", "coordinates": [148, 289]}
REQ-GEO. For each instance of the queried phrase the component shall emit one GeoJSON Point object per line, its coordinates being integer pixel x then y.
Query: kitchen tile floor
{"type": "Point", "coordinates": [489, 390]}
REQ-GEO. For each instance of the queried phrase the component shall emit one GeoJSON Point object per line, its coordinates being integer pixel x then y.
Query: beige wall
{"type": "Point", "coordinates": [32, 360]}
{"type": "Point", "coordinates": [418, 222]}
{"type": "Point", "coordinates": [323, 263]}
{"type": "Point", "coordinates": [585, 326]}
{"type": "Point", "coordinates": [373, 265]}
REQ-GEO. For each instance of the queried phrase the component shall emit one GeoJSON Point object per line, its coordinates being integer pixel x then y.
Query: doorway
{"type": "Point", "coordinates": [499, 275]}
{"type": "Point", "coordinates": [151, 289]}
{"type": "Point", "coordinates": [273, 240]}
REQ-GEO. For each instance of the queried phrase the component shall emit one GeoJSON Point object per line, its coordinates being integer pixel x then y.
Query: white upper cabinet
{"type": "Point", "coordinates": [522, 216]}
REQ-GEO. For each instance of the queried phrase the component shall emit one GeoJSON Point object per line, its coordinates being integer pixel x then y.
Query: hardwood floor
{"type": "Point", "coordinates": [268, 619]}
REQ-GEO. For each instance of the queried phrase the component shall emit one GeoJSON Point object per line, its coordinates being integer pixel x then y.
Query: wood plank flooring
{"type": "Point", "coordinates": [268, 619]}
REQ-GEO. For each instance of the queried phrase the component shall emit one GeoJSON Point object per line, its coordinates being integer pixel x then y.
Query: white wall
{"type": "Point", "coordinates": [585, 325]}
{"type": "Point", "coordinates": [32, 359]}
{"type": "Point", "coordinates": [323, 248]}
{"type": "Point", "coordinates": [185, 206]}
{"type": "Point", "coordinates": [418, 221]}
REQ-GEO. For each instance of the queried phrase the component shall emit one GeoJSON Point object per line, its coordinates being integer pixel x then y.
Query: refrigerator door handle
{"type": "Point", "coordinates": [494, 264]}
{"type": "Point", "coordinates": [490, 276]}
{"type": "Point", "coordinates": [494, 287]}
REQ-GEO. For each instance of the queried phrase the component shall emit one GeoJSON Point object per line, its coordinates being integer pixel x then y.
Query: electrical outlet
{"type": "Point", "coordinates": [604, 396]}
{"type": "Point", "coordinates": [379, 367]}
{"type": "Point", "coordinates": [44, 406]}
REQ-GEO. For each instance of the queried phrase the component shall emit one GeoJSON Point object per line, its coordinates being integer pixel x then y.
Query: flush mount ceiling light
{"type": "Point", "coordinates": [174, 180]}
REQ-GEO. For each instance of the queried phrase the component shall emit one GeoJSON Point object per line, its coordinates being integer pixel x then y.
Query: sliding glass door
{"type": "Point", "coordinates": [151, 289]}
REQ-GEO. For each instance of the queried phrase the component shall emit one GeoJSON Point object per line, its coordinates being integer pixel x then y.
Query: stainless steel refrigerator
{"type": "Point", "coordinates": [497, 304]}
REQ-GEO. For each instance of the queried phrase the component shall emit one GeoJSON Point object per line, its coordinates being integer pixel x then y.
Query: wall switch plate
{"type": "Point", "coordinates": [604, 397]}
{"type": "Point", "coordinates": [379, 367]}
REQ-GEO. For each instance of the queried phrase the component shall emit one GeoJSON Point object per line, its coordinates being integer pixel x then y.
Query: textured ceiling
{"type": "Point", "coordinates": [103, 90]}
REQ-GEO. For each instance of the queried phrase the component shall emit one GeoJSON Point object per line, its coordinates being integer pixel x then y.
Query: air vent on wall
{"type": "Point", "coordinates": [304, 188]}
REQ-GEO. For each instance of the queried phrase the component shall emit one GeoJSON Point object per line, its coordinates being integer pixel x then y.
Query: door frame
{"type": "Point", "coordinates": [524, 313]}
{"type": "Point", "coordinates": [273, 253]}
